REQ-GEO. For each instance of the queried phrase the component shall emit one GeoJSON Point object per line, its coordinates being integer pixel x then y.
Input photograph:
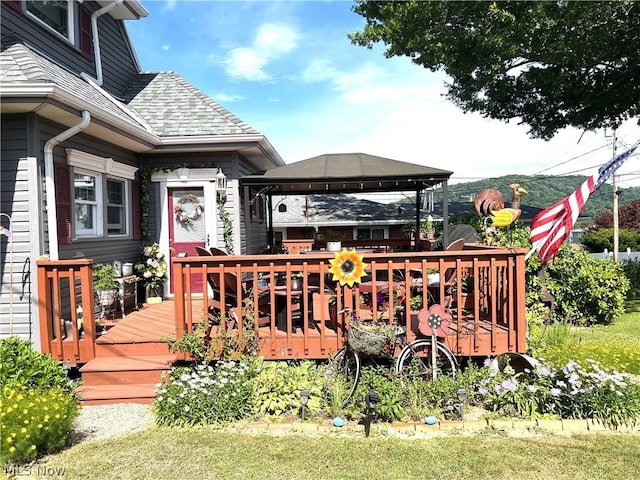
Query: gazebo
{"type": "Point", "coordinates": [348, 173]}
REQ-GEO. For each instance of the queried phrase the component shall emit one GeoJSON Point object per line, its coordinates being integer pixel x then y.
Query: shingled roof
{"type": "Point", "coordinates": [173, 106]}
{"type": "Point", "coordinates": [21, 64]}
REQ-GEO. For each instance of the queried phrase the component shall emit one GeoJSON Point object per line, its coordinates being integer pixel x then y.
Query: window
{"type": "Point", "coordinates": [56, 15]}
{"type": "Point", "coordinates": [86, 192]}
{"type": "Point", "coordinates": [101, 195]}
{"type": "Point", "coordinates": [116, 202]}
{"type": "Point", "coordinates": [370, 233]}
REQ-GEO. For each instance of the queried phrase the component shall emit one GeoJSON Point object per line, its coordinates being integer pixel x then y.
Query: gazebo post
{"type": "Point", "coordinates": [270, 235]}
{"type": "Point", "coordinates": [416, 234]}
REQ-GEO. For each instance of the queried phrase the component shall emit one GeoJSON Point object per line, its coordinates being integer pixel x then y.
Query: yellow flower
{"type": "Point", "coordinates": [33, 447]}
{"type": "Point", "coordinates": [347, 267]}
{"type": "Point", "coordinates": [12, 449]}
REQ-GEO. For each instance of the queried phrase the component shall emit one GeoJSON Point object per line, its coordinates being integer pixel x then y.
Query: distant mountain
{"type": "Point", "coordinates": [543, 190]}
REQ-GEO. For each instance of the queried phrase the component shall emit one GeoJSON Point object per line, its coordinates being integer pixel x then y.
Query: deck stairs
{"type": "Point", "coordinates": [130, 360]}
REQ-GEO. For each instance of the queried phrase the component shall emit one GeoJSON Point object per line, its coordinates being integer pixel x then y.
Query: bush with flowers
{"type": "Point", "coordinates": [37, 406]}
{"type": "Point", "coordinates": [205, 394]}
{"type": "Point", "coordinates": [571, 391]}
{"type": "Point", "coordinates": [152, 266]}
{"type": "Point", "coordinates": [34, 422]}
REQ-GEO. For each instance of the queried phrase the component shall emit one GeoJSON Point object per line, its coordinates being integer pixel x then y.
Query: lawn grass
{"type": "Point", "coordinates": [197, 453]}
{"type": "Point", "coordinates": [615, 346]}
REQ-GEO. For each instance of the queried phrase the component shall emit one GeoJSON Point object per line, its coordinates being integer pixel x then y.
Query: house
{"type": "Point", "coordinates": [100, 157]}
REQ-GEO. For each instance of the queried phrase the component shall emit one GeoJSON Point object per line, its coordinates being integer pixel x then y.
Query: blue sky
{"type": "Point", "coordinates": [288, 69]}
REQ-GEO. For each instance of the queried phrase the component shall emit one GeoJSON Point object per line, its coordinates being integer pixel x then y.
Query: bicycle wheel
{"type": "Point", "coordinates": [415, 360]}
{"type": "Point", "coordinates": [347, 363]}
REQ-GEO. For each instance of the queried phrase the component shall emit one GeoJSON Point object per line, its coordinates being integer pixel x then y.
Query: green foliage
{"type": "Point", "coordinates": [205, 394]}
{"type": "Point", "coordinates": [586, 290]}
{"type": "Point", "coordinates": [227, 231]}
{"type": "Point", "coordinates": [34, 422]}
{"type": "Point", "coordinates": [514, 59]}
{"type": "Point", "coordinates": [22, 365]}
{"type": "Point", "coordinates": [598, 239]}
{"type": "Point", "coordinates": [632, 271]}
{"type": "Point", "coordinates": [277, 388]}
{"type": "Point", "coordinates": [104, 277]}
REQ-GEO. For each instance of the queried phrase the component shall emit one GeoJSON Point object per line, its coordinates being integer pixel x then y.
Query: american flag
{"type": "Point", "coordinates": [551, 227]}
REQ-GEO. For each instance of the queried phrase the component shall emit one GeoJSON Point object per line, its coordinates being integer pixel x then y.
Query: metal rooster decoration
{"type": "Point", "coordinates": [489, 203]}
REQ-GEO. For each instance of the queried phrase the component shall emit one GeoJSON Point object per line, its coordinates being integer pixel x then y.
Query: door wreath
{"type": "Point", "coordinates": [186, 215]}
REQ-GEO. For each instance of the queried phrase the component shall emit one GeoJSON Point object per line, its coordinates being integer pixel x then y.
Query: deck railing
{"type": "Point", "coordinates": [305, 321]}
{"type": "Point", "coordinates": [66, 309]}
{"type": "Point", "coordinates": [297, 322]}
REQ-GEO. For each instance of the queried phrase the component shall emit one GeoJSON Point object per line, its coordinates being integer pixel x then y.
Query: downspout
{"type": "Point", "coordinates": [96, 42]}
{"type": "Point", "coordinates": [52, 214]}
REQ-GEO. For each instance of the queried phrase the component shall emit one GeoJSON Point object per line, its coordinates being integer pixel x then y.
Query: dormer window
{"type": "Point", "coordinates": [55, 15]}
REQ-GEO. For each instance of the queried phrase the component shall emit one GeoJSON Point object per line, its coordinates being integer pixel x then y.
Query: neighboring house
{"type": "Point", "coordinates": [305, 216]}
{"type": "Point", "coordinates": [99, 158]}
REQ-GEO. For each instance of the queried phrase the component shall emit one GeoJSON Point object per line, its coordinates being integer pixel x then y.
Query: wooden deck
{"type": "Point", "coordinates": [130, 359]}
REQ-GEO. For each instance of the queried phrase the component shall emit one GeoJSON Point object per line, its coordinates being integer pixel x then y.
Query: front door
{"type": "Point", "coordinates": [187, 227]}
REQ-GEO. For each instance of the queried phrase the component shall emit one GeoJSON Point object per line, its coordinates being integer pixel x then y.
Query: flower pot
{"type": "Point", "coordinates": [106, 297]}
{"type": "Point", "coordinates": [296, 283]}
{"type": "Point", "coordinates": [334, 246]}
{"type": "Point", "coordinates": [153, 295]}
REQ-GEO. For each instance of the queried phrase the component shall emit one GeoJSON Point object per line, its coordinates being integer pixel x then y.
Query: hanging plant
{"type": "Point", "coordinates": [227, 232]}
{"type": "Point", "coordinates": [184, 214]}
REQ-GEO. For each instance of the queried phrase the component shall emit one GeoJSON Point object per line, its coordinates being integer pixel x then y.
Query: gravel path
{"type": "Point", "coordinates": [97, 422]}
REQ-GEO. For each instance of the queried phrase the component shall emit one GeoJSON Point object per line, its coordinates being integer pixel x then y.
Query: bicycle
{"type": "Point", "coordinates": [414, 359]}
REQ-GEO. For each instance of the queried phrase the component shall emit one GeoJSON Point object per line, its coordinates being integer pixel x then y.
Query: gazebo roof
{"type": "Point", "coordinates": [346, 173]}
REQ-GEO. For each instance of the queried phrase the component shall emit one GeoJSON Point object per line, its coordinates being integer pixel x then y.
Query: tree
{"type": "Point", "coordinates": [551, 64]}
{"type": "Point", "coordinates": [628, 217]}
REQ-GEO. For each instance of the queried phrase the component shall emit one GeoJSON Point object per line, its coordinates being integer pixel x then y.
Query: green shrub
{"type": "Point", "coordinates": [277, 388]}
{"type": "Point", "coordinates": [596, 240]}
{"type": "Point", "coordinates": [34, 422]}
{"type": "Point", "coordinates": [632, 271]}
{"type": "Point", "coordinates": [202, 394]}
{"type": "Point", "coordinates": [22, 365]}
{"type": "Point", "coordinates": [586, 290]}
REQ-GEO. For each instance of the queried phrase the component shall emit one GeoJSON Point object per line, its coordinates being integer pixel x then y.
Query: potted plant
{"type": "Point", "coordinates": [105, 283]}
{"type": "Point", "coordinates": [153, 269]}
{"type": "Point", "coordinates": [334, 241]}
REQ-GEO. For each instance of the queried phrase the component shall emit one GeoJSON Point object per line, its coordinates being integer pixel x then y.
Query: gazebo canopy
{"type": "Point", "coordinates": [346, 173]}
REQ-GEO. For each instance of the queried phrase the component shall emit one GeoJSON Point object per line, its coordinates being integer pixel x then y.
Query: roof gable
{"type": "Point", "coordinates": [173, 107]}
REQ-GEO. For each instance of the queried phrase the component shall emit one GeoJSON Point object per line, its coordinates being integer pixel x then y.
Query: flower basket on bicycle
{"type": "Point", "coordinates": [371, 338]}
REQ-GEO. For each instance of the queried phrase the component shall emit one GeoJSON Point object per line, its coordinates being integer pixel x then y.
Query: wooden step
{"type": "Point", "coordinates": [108, 394]}
{"type": "Point", "coordinates": [131, 349]}
{"type": "Point", "coordinates": [126, 370]}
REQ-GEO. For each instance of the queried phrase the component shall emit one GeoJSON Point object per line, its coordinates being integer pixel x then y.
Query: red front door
{"type": "Point", "coordinates": [187, 227]}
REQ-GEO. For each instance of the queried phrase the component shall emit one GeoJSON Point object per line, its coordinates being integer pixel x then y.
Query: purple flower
{"type": "Point", "coordinates": [499, 389]}
{"type": "Point", "coordinates": [482, 391]}
{"type": "Point", "coordinates": [543, 372]}
{"type": "Point", "coordinates": [555, 392]}
{"type": "Point", "coordinates": [532, 388]}
{"type": "Point", "coordinates": [510, 385]}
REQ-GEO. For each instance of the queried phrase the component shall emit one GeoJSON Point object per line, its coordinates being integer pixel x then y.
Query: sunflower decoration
{"type": "Point", "coordinates": [347, 267]}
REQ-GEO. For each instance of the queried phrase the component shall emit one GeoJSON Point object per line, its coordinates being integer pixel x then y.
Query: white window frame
{"type": "Point", "coordinates": [96, 231]}
{"type": "Point", "coordinates": [102, 168]}
{"type": "Point", "coordinates": [126, 206]}
{"type": "Point", "coordinates": [71, 24]}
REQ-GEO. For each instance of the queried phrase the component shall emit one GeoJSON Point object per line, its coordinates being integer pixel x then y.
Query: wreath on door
{"type": "Point", "coordinates": [185, 214]}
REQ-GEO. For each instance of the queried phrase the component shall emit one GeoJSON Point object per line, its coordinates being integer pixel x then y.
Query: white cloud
{"type": "Point", "coordinates": [270, 43]}
{"type": "Point", "coordinates": [166, 47]}
{"type": "Point", "coordinates": [170, 5]}
{"type": "Point", "coordinates": [228, 98]}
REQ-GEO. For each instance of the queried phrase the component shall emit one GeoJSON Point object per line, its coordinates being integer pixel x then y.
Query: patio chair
{"type": "Point", "coordinates": [231, 293]}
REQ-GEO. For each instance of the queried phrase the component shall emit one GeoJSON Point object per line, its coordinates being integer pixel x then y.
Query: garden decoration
{"type": "Point", "coordinates": [347, 267]}
{"type": "Point", "coordinates": [185, 215]}
{"type": "Point", "coordinates": [434, 322]}
{"type": "Point", "coordinates": [489, 203]}
{"type": "Point", "coordinates": [153, 268]}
